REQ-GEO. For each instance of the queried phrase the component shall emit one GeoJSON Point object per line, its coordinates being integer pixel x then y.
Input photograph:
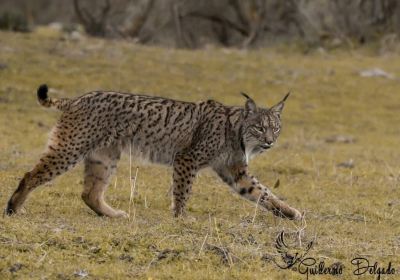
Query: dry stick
{"type": "Point", "coordinates": [130, 179]}
{"type": "Point", "coordinates": [132, 182]}
{"type": "Point", "coordinates": [209, 224]}
{"type": "Point", "coordinates": [205, 238]}
{"type": "Point", "coordinates": [133, 187]}
{"type": "Point", "coordinates": [178, 27]}
{"type": "Point", "coordinates": [42, 257]}
{"type": "Point", "coordinates": [220, 20]}
{"type": "Point", "coordinates": [351, 179]}
{"type": "Point", "coordinates": [365, 224]}
{"type": "Point", "coordinates": [115, 183]}
{"type": "Point", "coordinates": [315, 165]}
{"type": "Point", "coordinates": [255, 209]}
{"type": "Point", "coordinates": [166, 237]}
{"type": "Point", "coordinates": [202, 245]}
{"type": "Point", "coordinates": [44, 252]}
{"type": "Point", "coordinates": [300, 229]}
{"type": "Point", "coordinates": [227, 256]}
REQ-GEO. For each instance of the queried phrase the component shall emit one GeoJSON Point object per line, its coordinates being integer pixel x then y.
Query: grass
{"type": "Point", "coordinates": [350, 212]}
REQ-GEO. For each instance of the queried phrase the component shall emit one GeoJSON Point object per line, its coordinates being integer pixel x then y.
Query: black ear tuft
{"type": "Point", "coordinates": [245, 95]}
{"type": "Point", "coordinates": [286, 97]}
{"type": "Point", "coordinates": [277, 109]}
{"type": "Point", "coordinates": [42, 92]}
{"type": "Point", "coordinates": [250, 105]}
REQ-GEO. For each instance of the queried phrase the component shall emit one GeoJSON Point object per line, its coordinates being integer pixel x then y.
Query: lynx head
{"type": "Point", "coordinates": [261, 126]}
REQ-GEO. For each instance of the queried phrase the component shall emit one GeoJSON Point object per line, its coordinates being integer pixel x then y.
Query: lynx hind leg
{"type": "Point", "coordinates": [99, 167]}
{"type": "Point", "coordinates": [53, 163]}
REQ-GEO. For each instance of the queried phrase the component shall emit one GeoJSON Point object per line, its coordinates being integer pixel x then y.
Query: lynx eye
{"type": "Point", "coordinates": [259, 129]}
{"type": "Point", "coordinates": [276, 130]}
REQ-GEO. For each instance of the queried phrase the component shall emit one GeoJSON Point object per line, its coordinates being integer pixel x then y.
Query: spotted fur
{"type": "Point", "coordinates": [97, 127]}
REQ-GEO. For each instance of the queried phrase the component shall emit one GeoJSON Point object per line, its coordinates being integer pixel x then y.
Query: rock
{"type": "Point", "coordinates": [57, 26]}
{"type": "Point", "coordinates": [375, 72]}
{"type": "Point", "coordinates": [81, 273]}
{"type": "Point", "coordinates": [79, 240]}
{"type": "Point", "coordinates": [76, 36]}
{"type": "Point", "coordinates": [267, 257]}
{"type": "Point", "coordinates": [226, 257]}
{"type": "Point", "coordinates": [15, 267]}
{"type": "Point", "coordinates": [94, 250]}
{"type": "Point", "coordinates": [125, 257]}
{"type": "Point", "coordinates": [346, 164]}
{"type": "Point", "coordinates": [393, 203]}
{"type": "Point", "coordinates": [346, 139]}
{"type": "Point", "coordinates": [167, 253]}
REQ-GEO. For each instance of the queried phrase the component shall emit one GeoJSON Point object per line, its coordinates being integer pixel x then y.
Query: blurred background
{"type": "Point", "coordinates": [230, 23]}
{"type": "Point", "coordinates": [337, 158]}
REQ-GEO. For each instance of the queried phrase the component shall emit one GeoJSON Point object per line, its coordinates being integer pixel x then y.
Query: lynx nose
{"type": "Point", "coordinates": [269, 143]}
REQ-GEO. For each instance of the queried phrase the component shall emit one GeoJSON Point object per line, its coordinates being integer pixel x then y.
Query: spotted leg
{"type": "Point", "coordinates": [185, 170]}
{"type": "Point", "coordinates": [52, 164]}
{"type": "Point", "coordinates": [99, 167]}
{"type": "Point", "coordinates": [250, 188]}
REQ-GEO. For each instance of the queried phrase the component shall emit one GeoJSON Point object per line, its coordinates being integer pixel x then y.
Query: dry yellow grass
{"type": "Point", "coordinates": [349, 212]}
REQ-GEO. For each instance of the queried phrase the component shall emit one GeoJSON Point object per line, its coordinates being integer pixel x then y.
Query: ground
{"type": "Point", "coordinates": [337, 160]}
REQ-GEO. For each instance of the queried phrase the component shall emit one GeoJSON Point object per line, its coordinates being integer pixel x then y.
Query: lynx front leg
{"type": "Point", "coordinates": [250, 188]}
{"type": "Point", "coordinates": [185, 171]}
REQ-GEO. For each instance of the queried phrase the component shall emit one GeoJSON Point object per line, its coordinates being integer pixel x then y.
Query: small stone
{"type": "Point", "coordinates": [15, 267]}
{"type": "Point", "coordinates": [79, 240]}
{"type": "Point", "coordinates": [375, 72]}
{"type": "Point", "coordinates": [345, 139]}
{"type": "Point", "coordinates": [346, 164]}
{"type": "Point", "coordinates": [81, 273]}
{"type": "Point", "coordinates": [267, 257]}
{"type": "Point", "coordinates": [126, 257]}
{"type": "Point", "coordinates": [94, 250]}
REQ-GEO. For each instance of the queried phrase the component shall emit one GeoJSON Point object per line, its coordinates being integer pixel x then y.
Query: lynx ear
{"type": "Point", "coordinates": [277, 109]}
{"type": "Point", "coordinates": [250, 105]}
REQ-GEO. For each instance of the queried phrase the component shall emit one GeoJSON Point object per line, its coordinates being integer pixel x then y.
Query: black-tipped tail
{"type": "Point", "coordinates": [61, 104]}
{"type": "Point", "coordinates": [42, 92]}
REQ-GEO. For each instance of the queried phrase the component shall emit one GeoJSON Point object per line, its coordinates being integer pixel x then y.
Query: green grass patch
{"type": "Point", "coordinates": [349, 211]}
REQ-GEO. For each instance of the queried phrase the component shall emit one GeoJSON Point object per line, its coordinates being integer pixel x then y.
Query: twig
{"type": "Point", "coordinates": [239, 12]}
{"type": "Point", "coordinates": [220, 20]}
{"type": "Point", "coordinates": [132, 181]}
{"type": "Point", "coordinates": [255, 209]}
{"type": "Point", "coordinates": [137, 25]}
{"type": "Point", "coordinates": [202, 245]}
{"type": "Point", "coordinates": [94, 26]}
{"type": "Point", "coordinates": [301, 229]}
{"type": "Point", "coordinates": [227, 256]}
{"type": "Point", "coordinates": [166, 237]}
{"type": "Point", "coordinates": [177, 22]}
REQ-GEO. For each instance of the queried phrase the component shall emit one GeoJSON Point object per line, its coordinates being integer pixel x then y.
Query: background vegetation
{"type": "Point", "coordinates": [196, 24]}
{"type": "Point", "coordinates": [337, 157]}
